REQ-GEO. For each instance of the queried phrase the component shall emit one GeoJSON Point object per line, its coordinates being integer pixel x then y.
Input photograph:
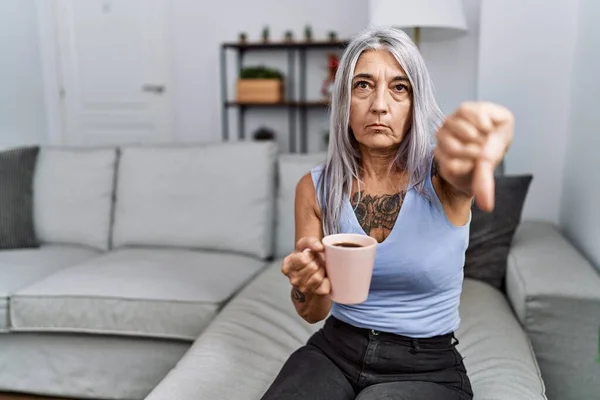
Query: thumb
{"type": "Point", "coordinates": [484, 185]}
{"type": "Point", "coordinates": [483, 175]}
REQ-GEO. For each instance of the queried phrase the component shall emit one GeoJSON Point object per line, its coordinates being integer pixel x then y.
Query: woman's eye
{"type": "Point", "coordinates": [362, 85]}
{"type": "Point", "coordinates": [401, 88]}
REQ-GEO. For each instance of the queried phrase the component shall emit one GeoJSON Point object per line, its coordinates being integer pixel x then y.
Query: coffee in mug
{"type": "Point", "coordinates": [347, 244]}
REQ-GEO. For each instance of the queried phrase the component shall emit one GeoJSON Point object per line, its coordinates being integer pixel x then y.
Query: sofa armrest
{"type": "Point", "coordinates": [555, 293]}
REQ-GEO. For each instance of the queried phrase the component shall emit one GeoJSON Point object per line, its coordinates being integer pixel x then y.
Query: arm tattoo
{"type": "Point", "coordinates": [298, 296]}
{"type": "Point", "coordinates": [377, 211]}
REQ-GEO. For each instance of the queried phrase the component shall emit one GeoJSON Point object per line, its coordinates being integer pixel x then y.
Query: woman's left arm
{"type": "Point", "coordinates": [470, 144]}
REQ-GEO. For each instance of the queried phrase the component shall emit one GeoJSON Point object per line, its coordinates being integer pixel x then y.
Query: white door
{"type": "Point", "coordinates": [113, 58]}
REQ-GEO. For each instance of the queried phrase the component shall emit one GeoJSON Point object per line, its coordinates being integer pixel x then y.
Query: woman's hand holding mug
{"type": "Point", "coordinates": [305, 267]}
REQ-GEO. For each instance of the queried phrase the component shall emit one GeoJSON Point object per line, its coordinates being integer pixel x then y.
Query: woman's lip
{"type": "Point", "coordinates": [377, 126]}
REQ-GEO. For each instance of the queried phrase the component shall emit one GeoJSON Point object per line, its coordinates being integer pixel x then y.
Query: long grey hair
{"type": "Point", "coordinates": [415, 152]}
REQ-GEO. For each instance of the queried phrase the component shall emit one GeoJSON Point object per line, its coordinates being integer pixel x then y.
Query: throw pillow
{"type": "Point", "coordinates": [491, 234]}
{"type": "Point", "coordinates": [17, 169]}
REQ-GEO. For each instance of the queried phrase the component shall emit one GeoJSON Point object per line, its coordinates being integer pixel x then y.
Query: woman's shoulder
{"type": "Point", "coordinates": [309, 181]}
{"type": "Point", "coordinates": [306, 183]}
{"type": "Point", "coordinates": [314, 174]}
{"type": "Point", "coordinates": [317, 169]}
{"type": "Point", "coordinates": [306, 188]}
{"type": "Point", "coordinates": [306, 194]}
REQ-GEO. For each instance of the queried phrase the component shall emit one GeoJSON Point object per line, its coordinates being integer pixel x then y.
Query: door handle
{"type": "Point", "coordinates": [159, 89]}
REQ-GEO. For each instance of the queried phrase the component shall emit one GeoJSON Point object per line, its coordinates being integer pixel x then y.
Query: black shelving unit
{"type": "Point", "coordinates": [297, 106]}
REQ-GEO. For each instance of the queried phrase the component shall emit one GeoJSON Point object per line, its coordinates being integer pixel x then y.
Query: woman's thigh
{"type": "Point", "coordinates": [407, 390]}
{"type": "Point", "coordinates": [309, 375]}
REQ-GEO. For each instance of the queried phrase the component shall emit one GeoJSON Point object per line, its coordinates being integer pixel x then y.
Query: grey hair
{"type": "Point", "coordinates": [343, 156]}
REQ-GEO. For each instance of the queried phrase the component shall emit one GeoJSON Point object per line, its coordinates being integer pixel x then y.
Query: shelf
{"type": "Point", "coordinates": [285, 45]}
{"type": "Point", "coordinates": [294, 104]}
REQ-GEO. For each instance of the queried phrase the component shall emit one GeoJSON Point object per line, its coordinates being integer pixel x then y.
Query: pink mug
{"type": "Point", "coordinates": [349, 260]}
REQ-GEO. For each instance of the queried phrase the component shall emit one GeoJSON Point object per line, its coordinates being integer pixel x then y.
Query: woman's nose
{"type": "Point", "coordinates": [379, 104]}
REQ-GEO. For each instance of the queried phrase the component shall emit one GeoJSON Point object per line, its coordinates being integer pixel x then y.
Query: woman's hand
{"type": "Point", "coordinates": [305, 268]}
{"type": "Point", "coordinates": [471, 143]}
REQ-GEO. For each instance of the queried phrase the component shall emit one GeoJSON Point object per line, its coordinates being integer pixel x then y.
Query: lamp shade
{"type": "Point", "coordinates": [447, 14]}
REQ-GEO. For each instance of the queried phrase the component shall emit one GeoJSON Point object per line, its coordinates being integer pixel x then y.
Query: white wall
{"type": "Point", "coordinates": [452, 63]}
{"type": "Point", "coordinates": [196, 37]}
{"type": "Point", "coordinates": [22, 113]}
{"type": "Point", "coordinates": [580, 211]}
{"type": "Point", "coordinates": [525, 62]}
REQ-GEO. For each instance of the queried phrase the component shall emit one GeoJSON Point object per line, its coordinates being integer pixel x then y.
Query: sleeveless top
{"type": "Point", "coordinates": [418, 273]}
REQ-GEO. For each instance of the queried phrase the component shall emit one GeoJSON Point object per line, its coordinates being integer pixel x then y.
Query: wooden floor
{"type": "Point", "coordinates": [10, 396]}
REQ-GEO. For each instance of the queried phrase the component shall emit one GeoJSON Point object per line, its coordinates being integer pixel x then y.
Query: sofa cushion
{"type": "Point", "coordinates": [17, 169]}
{"type": "Point", "coordinates": [291, 167]}
{"type": "Point", "coordinates": [213, 197]}
{"type": "Point", "coordinates": [491, 234]}
{"type": "Point", "coordinates": [22, 267]}
{"type": "Point", "coordinates": [258, 330]}
{"type": "Point", "coordinates": [168, 293]}
{"type": "Point", "coordinates": [73, 194]}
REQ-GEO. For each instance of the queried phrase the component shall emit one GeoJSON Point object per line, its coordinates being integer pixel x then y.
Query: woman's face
{"type": "Point", "coordinates": [381, 101]}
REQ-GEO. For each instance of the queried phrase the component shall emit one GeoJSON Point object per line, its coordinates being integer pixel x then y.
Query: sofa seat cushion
{"type": "Point", "coordinates": [22, 267]}
{"type": "Point", "coordinates": [497, 352]}
{"type": "Point", "coordinates": [167, 293]}
{"type": "Point", "coordinates": [256, 332]}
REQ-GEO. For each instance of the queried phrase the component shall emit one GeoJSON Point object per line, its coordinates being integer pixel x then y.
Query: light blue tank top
{"type": "Point", "coordinates": [418, 273]}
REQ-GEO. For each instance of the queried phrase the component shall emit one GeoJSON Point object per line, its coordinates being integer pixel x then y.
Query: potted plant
{"type": "Point", "coordinates": [289, 36]}
{"type": "Point", "coordinates": [308, 33]}
{"type": "Point", "coordinates": [260, 84]}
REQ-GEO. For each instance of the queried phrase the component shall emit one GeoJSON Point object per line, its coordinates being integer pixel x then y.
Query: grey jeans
{"type": "Point", "coordinates": [342, 362]}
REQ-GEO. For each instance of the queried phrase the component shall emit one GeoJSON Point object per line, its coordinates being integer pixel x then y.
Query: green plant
{"type": "Point", "coordinates": [265, 34]}
{"type": "Point", "coordinates": [260, 72]}
{"type": "Point", "coordinates": [289, 36]}
{"type": "Point", "coordinates": [308, 32]}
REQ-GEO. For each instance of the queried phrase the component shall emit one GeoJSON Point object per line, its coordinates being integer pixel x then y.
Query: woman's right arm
{"type": "Point", "coordinates": [305, 266]}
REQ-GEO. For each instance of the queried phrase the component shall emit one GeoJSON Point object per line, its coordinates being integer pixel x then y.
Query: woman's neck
{"type": "Point", "coordinates": [378, 164]}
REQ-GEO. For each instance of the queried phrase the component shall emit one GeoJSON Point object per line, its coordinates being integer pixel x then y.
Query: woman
{"type": "Point", "coordinates": [385, 178]}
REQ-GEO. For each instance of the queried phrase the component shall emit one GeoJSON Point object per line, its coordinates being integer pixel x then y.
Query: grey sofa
{"type": "Point", "coordinates": [158, 277]}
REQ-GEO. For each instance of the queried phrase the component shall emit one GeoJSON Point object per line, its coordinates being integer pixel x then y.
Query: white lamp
{"type": "Point", "coordinates": [416, 14]}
